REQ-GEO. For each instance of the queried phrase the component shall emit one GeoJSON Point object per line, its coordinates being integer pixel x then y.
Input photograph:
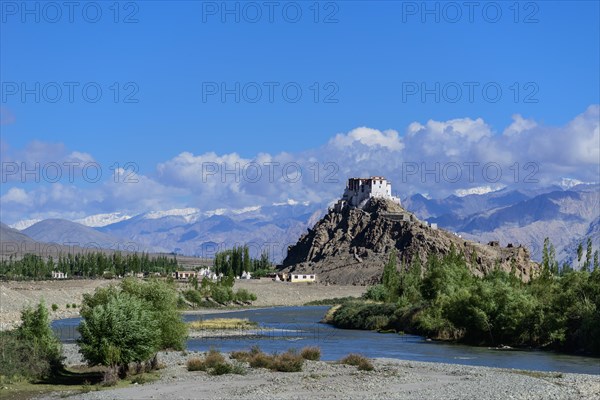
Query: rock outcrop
{"type": "Point", "coordinates": [351, 246]}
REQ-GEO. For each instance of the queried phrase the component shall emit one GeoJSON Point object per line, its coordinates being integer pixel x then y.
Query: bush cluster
{"type": "Point", "coordinates": [556, 308]}
{"type": "Point", "coordinates": [215, 364]}
{"type": "Point", "coordinates": [290, 361]}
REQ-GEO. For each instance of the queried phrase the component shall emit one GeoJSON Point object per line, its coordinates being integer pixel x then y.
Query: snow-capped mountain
{"type": "Point", "coordinates": [99, 220]}
{"type": "Point", "coordinates": [24, 224]}
{"type": "Point", "coordinates": [525, 216]}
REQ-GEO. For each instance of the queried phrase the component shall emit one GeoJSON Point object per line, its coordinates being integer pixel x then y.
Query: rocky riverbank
{"type": "Point", "coordinates": [391, 379]}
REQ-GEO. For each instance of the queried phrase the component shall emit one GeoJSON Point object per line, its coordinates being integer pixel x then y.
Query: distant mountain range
{"type": "Point", "coordinates": [566, 216]}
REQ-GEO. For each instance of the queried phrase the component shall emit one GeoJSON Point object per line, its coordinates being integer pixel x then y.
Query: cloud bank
{"type": "Point", "coordinates": [438, 158]}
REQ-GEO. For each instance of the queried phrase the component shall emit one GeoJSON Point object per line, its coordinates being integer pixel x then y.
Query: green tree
{"type": "Point", "coordinates": [162, 299]}
{"type": "Point", "coordinates": [588, 256]}
{"type": "Point", "coordinates": [579, 253]}
{"type": "Point", "coordinates": [119, 331]}
{"type": "Point", "coordinates": [247, 260]}
{"type": "Point", "coordinates": [35, 329]}
{"type": "Point", "coordinates": [391, 277]}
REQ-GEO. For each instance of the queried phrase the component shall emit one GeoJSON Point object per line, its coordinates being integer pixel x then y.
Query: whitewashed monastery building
{"type": "Point", "coordinates": [359, 190]}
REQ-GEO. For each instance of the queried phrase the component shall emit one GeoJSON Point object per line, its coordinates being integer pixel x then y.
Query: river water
{"type": "Point", "coordinates": [281, 328]}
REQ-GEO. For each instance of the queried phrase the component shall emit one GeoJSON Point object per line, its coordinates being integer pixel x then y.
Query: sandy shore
{"type": "Point", "coordinates": [391, 379]}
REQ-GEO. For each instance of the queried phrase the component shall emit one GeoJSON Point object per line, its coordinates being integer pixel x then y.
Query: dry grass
{"type": "Point", "coordinates": [195, 364]}
{"type": "Point", "coordinates": [359, 361]}
{"type": "Point", "coordinates": [290, 361]}
{"type": "Point", "coordinates": [222, 323]}
{"type": "Point", "coordinates": [311, 353]}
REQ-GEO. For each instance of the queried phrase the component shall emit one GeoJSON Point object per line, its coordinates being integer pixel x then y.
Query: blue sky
{"type": "Point", "coordinates": [365, 59]}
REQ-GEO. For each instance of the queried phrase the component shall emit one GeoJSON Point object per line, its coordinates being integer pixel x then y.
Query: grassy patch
{"type": "Point", "coordinates": [331, 302]}
{"type": "Point", "coordinates": [222, 323]}
{"type": "Point", "coordinates": [539, 374]}
{"type": "Point", "coordinates": [68, 382]}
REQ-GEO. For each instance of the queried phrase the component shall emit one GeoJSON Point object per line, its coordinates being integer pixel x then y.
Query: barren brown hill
{"type": "Point", "coordinates": [352, 246]}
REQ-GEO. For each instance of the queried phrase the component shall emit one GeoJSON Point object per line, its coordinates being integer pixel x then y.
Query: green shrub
{"type": "Point", "coordinates": [194, 297]}
{"type": "Point", "coordinates": [73, 305]}
{"type": "Point", "coordinates": [244, 296]}
{"type": "Point", "coordinates": [222, 294]}
{"type": "Point", "coordinates": [68, 305]}
{"type": "Point", "coordinates": [54, 307]}
{"type": "Point", "coordinates": [312, 353]}
{"type": "Point", "coordinates": [238, 369]}
{"type": "Point", "coordinates": [221, 369]}
{"type": "Point", "coordinates": [376, 293]}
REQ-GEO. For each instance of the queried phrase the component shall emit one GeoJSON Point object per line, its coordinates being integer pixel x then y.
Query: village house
{"type": "Point", "coordinates": [294, 277]}
{"type": "Point", "coordinates": [59, 275]}
{"type": "Point", "coordinates": [302, 278]}
{"type": "Point", "coordinates": [359, 190]}
{"type": "Point", "coordinates": [184, 275]}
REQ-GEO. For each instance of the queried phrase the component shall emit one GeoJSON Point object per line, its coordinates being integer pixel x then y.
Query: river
{"type": "Point", "coordinates": [281, 328]}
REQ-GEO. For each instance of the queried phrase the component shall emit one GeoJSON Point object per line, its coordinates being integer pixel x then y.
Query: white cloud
{"type": "Point", "coordinates": [211, 181]}
{"type": "Point", "coordinates": [369, 137]}
{"type": "Point", "coordinates": [16, 195]}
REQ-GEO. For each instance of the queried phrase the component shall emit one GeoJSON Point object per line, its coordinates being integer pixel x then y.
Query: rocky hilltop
{"type": "Point", "coordinates": [352, 245]}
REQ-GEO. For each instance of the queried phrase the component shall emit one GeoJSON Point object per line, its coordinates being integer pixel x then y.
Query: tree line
{"type": "Point", "coordinates": [88, 265]}
{"type": "Point", "coordinates": [236, 261]}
